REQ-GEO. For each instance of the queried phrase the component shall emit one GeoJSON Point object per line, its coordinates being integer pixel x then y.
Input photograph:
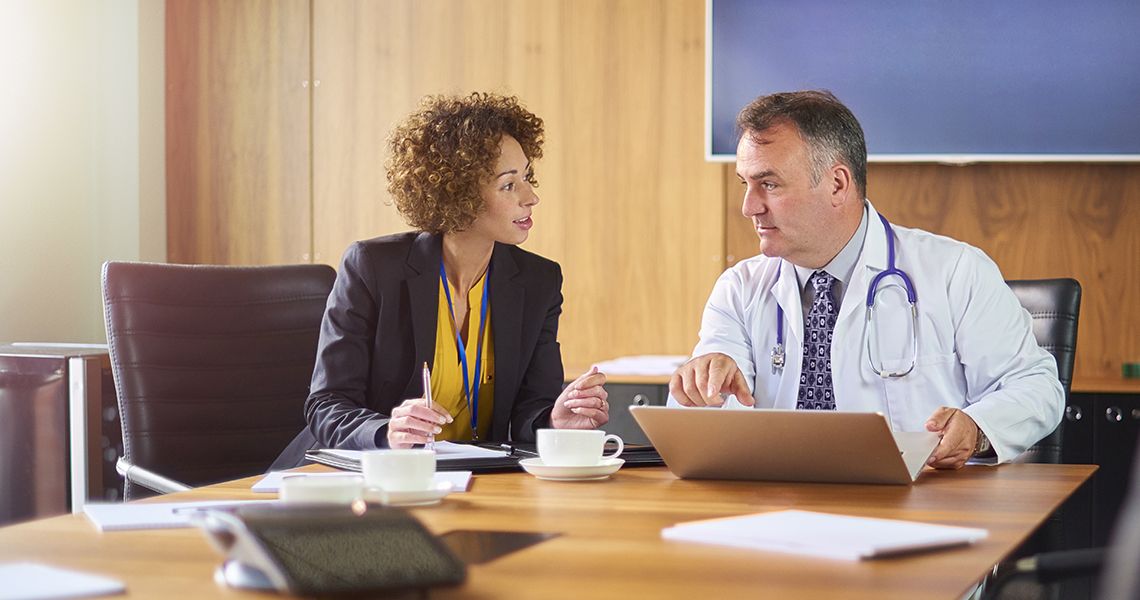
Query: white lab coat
{"type": "Point", "coordinates": [976, 349]}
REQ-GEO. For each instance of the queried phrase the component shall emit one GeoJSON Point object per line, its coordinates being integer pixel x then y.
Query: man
{"type": "Point", "coordinates": [788, 328]}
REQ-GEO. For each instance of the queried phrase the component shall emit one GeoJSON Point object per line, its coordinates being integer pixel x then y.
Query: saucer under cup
{"type": "Point", "coordinates": [602, 470]}
{"type": "Point", "coordinates": [431, 495]}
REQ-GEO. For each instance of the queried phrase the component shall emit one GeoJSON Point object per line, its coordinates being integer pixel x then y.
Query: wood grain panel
{"type": "Point", "coordinates": [629, 207]}
{"type": "Point", "coordinates": [1035, 221]}
{"type": "Point", "coordinates": [237, 131]}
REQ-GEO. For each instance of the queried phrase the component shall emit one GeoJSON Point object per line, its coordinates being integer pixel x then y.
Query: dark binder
{"type": "Point", "coordinates": [634, 455]}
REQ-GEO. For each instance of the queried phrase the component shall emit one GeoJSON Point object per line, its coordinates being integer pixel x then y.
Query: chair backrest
{"type": "Point", "coordinates": [1055, 305]}
{"type": "Point", "coordinates": [211, 363]}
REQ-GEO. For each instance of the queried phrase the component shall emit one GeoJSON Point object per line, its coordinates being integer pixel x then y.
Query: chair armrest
{"type": "Point", "coordinates": [1045, 568]}
{"type": "Point", "coordinates": [148, 479]}
{"type": "Point", "coordinates": [1048, 567]}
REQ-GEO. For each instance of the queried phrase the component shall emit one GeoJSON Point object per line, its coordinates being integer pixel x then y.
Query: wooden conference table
{"type": "Point", "coordinates": [611, 546]}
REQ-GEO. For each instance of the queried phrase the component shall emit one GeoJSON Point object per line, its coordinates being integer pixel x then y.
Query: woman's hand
{"type": "Point", "coordinates": [414, 422]}
{"type": "Point", "coordinates": [582, 405]}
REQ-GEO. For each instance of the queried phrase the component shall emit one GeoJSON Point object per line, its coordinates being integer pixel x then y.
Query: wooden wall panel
{"type": "Point", "coordinates": [629, 207]}
{"type": "Point", "coordinates": [1036, 221]}
{"type": "Point", "coordinates": [237, 131]}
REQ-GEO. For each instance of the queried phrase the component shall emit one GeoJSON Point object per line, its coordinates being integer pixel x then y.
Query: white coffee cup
{"type": "Point", "coordinates": [398, 470]}
{"type": "Point", "coordinates": [328, 489]}
{"type": "Point", "coordinates": [574, 447]}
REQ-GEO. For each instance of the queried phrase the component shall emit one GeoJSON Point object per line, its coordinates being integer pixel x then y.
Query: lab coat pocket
{"type": "Point", "coordinates": [913, 398]}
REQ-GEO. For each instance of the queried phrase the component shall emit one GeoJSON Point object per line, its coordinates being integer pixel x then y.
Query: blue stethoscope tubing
{"type": "Point", "coordinates": [872, 289]}
{"type": "Point", "coordinates": [471, 391]}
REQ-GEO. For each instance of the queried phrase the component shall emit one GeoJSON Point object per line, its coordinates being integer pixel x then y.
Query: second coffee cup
{"type": "Point", "coordinates": [398, 470]}
{"type": "Point", "coordinates": [575, 447]}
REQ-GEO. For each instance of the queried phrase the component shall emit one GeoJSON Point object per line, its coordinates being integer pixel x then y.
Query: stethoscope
{"type": "Point", "coordinates": [872, 290]}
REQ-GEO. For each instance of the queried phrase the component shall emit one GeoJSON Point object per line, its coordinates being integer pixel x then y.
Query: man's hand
{"type": "Point", "coordinates": [702, 380]}
{"type": "Point", "coordinates": [959, 436]}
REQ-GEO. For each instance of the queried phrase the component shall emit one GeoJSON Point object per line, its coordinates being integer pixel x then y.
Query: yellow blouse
{"type": "Point", "coordinates": [446, 372]}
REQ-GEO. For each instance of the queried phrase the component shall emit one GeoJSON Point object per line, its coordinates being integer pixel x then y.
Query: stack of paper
{"type": "Point", "coordinates": [156, 515]}
{"type": "Point", "coordinates": [824, 535]}
{"type": "Point", "coordinates": [459, 480]}
{"type": "Point", "coordinates": [647, 364]}
{"type": "Point", "coordinates": [445, 452]}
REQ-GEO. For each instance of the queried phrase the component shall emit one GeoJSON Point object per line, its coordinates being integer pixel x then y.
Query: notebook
{"type": "Point", "coordinates": [784, 445]}
{"type": "Point", "coordinates": [153, 515]}
{"type": "Point", "coordinates": [823, 535]}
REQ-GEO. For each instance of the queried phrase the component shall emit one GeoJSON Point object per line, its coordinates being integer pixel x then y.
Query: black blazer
{"type": "Point", "coordinates": [379, 327]}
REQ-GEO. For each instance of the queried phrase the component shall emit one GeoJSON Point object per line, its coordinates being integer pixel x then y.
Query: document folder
{"type": "Point", "coordinates": [505, 461]}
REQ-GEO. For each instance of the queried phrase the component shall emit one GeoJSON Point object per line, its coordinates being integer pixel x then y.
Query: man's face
{"type": "Point", "coordinates": [794, 219]}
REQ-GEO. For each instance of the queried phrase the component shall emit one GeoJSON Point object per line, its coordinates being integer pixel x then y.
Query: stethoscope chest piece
{"type": "Point", "coordinates": [778, 356]}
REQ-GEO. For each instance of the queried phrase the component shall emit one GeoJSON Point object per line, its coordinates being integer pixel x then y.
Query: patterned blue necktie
{"type": "Point", "coordinates": [816, 392]}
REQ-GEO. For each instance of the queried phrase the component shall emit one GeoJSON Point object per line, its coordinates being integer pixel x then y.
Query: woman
{"type": "Point", "coordinates": [461, 173]}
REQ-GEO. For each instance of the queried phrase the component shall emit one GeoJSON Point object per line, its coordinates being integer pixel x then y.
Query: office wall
{"type": "Point", "coordinates": [81, 158]}
{"type": "Point", "coordinates": [629, 207]}
{"type": "Point", "coordinates": [1035, 220]}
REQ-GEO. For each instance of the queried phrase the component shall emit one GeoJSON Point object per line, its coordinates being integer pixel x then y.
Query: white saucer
{"type": "Point", "coordinates": [431, 495]}
{"type": "Point", "coordinates": [602, 470]}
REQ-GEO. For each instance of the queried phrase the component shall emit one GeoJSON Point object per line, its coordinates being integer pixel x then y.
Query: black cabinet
{"type": "Point", "coordinates": [1103, 428]}
{"type": "Point", "coordinates": [624, 395]}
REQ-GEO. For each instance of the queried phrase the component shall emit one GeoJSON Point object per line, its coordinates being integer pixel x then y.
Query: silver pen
{"type": "Point", "coordinates": [430, 445]}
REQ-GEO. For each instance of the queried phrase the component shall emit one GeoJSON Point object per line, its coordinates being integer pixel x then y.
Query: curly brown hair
{"type": "Point", "coordinates": [442, 153]}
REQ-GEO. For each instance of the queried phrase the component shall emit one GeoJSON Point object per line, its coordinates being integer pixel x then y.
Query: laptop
{"type": "Point", "coordinates": [784, 445]}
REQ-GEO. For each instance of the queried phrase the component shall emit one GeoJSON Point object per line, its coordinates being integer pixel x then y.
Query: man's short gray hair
{"type": "Point", "coordinates": [829, 128]}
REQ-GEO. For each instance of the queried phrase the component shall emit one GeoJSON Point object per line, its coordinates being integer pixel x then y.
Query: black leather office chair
{"type": "Point", "coordinates": [211, 365]}
{"type": "Point", "coordinates": [1055, 305]}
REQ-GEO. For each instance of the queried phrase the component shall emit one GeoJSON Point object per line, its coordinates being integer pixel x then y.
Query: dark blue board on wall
{"type": "Point", "coordinates": [940, 80]}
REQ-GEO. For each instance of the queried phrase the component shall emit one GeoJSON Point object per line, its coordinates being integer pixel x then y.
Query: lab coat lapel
{"type": "Point", "coordinates": [872, 260]}
{"type": "Point", "coordinates": [787, 294]}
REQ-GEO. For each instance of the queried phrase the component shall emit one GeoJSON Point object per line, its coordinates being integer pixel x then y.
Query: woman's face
{"type": "Point", "coordinates": [508, 198]}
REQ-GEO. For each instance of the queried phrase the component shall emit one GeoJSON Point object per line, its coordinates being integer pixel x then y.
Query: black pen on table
{"type": "Point", "coordinates": [515, 449]}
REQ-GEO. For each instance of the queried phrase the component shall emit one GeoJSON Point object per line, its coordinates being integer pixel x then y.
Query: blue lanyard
{"type": "Point", "coordinates": [471, 392]}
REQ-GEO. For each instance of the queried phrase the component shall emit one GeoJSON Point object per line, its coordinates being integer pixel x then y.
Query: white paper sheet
{"type": "Point", "coordinates": [158, 515]}
{"type": "Point", "coordinates": [459, 480]}
{"type": "Point", "coordinates": [821, 534]}
{"type": "Point", "coordinates": [32, 581]}
{"type": "Point", "coordinates": [444, 451]}
{"type": "Point", "coordinates": [647, 364]}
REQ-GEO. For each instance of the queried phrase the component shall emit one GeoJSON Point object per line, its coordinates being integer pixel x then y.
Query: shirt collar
{"type": "Point", "coordinates": [842, 267]}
